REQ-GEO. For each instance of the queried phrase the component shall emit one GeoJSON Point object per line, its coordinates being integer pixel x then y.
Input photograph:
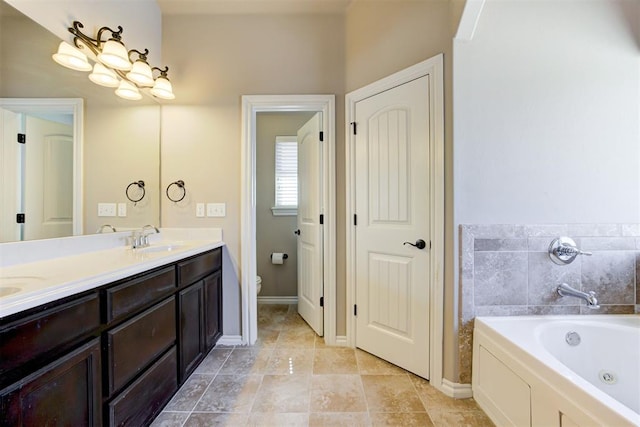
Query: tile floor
{"type": "Point", "coordinates": [290, 378]}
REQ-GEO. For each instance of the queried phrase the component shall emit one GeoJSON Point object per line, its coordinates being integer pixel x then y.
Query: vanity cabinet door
{"type": "Point", "coordinates": [213, 309]}
{"type": "Point", "coordinates": [191, 329]}
{"type": "Point", "coordinates": [63, 393]}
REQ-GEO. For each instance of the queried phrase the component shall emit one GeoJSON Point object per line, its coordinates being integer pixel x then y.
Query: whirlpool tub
{"type": "Point", "coordinates": [558, 370]}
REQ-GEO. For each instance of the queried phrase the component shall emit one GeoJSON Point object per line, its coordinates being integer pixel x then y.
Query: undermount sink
{"type": "Point", "coordinates": [159, 248]}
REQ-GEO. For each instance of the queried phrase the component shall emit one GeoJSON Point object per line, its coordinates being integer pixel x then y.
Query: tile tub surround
{"type": "Point", "coordinates": [505, 270]}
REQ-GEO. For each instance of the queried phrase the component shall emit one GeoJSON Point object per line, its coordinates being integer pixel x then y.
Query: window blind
{"type": "Point", "coordinates": [286, 171]}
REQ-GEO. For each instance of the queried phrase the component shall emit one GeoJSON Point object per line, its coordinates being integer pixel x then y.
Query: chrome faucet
{"type": "Point", "coordinates": [140, 238]}
{"type": "Point", "coordinates": [102, 227]}
{"type": "Point", "coordinates": [155, 229]}
{"type": "Point", "coordinates": [565, 290]}
{"type": "Point", "coordinates": [563, 250]}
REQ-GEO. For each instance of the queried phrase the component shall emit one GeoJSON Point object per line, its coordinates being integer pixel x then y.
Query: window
{"type": "Point", "coordinates": [286, 176]}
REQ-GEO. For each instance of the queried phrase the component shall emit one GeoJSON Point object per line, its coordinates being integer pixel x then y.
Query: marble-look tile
{"type": "Point", "coordinates": [484, 245]}
{"type": "Point", "coordinates": [545, 276]}
{"type": "Point", "coordinates": [638, 243]}
{"type": "Point", "coordinates": [341, 419]}
{"type": "Point", "coordinates": [608, 309]}
{"type": "Point", "coordinates": [548, 230]}
{"type": "Point", "coordinates": [546, 310]}
{"type": "Point", "coordinates": [464, 418]}
{"type": "Point", "coordinates": [246, 361]}
{"type": "Point", "coordinates": [278, 420]}
{"type": "Point", "coordinates": [170, 419]}
{"type": "Point", "coordinates": [489, 231]}
{"type": "Point", "coordinates": [540, 244]}
{"type": "Point", "coordinates": [631, 230]}
{"type": "Point", "coordinates": [368, 364]}
{"type": "Point", "coordinates": [595, 230]}
{"type": "Point", "coordinates": [335, 360]}
{"type": "Point", "coordinates": [465, 349]}
{"type": "Point", "coordinates": [267, 337]}
{"type": "Point", "coordinates": [290, 361]}
{"type": "Point", "coordinates": [607, 243]}
{"type": "Point", "coordinates": [611, 275]}
{"type": "Point", "coordinates": [190, 392]}
{"type": "Point", "coordinates": [637, 277]}
{"type": "Point", "coordinates": [391, 393]}
{"type": "Point", "coordinates": [500, 278]}
{"type": "Point", "coordinates": [230, 393]}
{"type": "Point", "coordinates": [283, 393]}
{"type": "Point", "coordinates": [401, 419]}
{"type": "Point", "coordinates": [433, 399]}
{"type": "Point", "coordinates": [501, 310]}
{"type": "Point", "coordinates": [337, 393]}
{"type": "Point", "coordinates": [213, 361]}
{"type": "Point", "coordinates": [211, 419]}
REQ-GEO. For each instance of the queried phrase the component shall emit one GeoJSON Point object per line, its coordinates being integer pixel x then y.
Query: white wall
{"type": "Point", "coordinates": [546, 107]}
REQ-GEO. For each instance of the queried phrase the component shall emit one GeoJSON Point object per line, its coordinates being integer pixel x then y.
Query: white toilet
{"type": "Point", "coordinates": [258, 284]}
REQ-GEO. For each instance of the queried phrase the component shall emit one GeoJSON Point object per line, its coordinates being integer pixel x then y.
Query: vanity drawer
{"type": "Point", "coordinates": [196, 268]}
{"type": "Point", "coordinates": [49, 332]}
{"type": "Point", "coordinates": [134, 344]}
{"type": "Point", "coordinates": [131, 295]}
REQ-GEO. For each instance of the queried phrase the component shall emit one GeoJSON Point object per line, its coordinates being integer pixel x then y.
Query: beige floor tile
{"type": "Point", "coordinates": [170, 419]}
{"type": "Point", "coordinates": [213, 361]}
{"type": "Point", "coordinates": [368, 364]}
{"type": "Point", "coordinates": [320, 342]}
{"type": "Point", "coordinates": [247, 360]}
{"type": "Point", "coordinates": [206, 419]}
{"type": "Point", "coordinates": [283, 393]}
{"type": "Point", "coordinates": [341, 419]}
{"type": "Point", "coordinates": [296, 338]}
{"type": "Point", "coordinates": [190, 392]}
{"type": "Point", "coordinates": [401, 419]}
{"type": "Point", "coordinates": [290, 361]}
{"type": "Point", "coordinates": [279, 420]}
{"type": "Point", "coordinates": [230, 393]}
{"type": "Point", "coordinates": [447, 418]}
{"type": "Point", "coordinates": [335, 360]}
{"type": "Point", "coordinates": [435, 399]}
{"type": "Point", "coordinates": [391, 393]}
{"type": "Point", "coordinates": [337, 393]}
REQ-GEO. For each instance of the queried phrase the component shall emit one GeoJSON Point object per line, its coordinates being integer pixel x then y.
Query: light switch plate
{"type": "Point", "coordinates": [106, 209]}
{"type": "Point", "coordinates": [199, 210]}
{"type": "Point", "coordinates": [216, 209]}
{"type": "Point", "coordinates": [122, 209]}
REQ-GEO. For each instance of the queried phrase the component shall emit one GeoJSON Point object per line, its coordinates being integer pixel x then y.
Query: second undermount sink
{"type": "Point", "coordinates": [159, 248]}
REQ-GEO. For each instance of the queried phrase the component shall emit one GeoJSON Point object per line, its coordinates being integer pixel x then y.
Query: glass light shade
{"type": "Point", "coordinates": [103, 76]}
{"type": "Point", "coordinates": [141, 74]}
{"type": "Point", "coordinates": [163, 89]}
{"type": "Point", "coordinates": [115, 55]}
{"type": "Point", "coordinates": [70, 57]}
{"type": "Point", "coordinates": [128, 90]}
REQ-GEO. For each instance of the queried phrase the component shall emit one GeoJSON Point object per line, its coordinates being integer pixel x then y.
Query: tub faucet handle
{"type": "Point", "coordinates": [564, 250]}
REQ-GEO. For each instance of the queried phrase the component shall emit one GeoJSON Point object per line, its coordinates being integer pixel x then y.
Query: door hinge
{"type": "Point", "coordinates": [355, 219]}
{"type": "Point", "coordinates": [321, 301]}
{"type": "Point", "coordinates": [355, 309]}
{"type": "Point", "coordinates": [429, 244]}
{"type": "Point", "coordinates": [355, 128]}
{"type": "Point", "coordinates": [20, 218]}
{"type": "Point", "coordinates": [22, 138]}
{"type": "Point", "coordinates": [321, 136]}
{"type": "Point", "coordinates": [321, 219]}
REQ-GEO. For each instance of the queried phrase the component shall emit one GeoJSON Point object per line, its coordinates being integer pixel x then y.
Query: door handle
{"type": "Point", "coordinates": [297, 232]}
{"type": "Point", "coordinates": [420, 244]}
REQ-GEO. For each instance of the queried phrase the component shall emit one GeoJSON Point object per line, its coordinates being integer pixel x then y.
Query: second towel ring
{"type": "Point", "coordinates": [180, 185]}
{"type": "Point", "coordinates": [140, 185]}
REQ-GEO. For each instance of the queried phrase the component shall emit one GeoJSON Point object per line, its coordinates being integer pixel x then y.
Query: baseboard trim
{"type": "Point", "coordinates": [456, 390]}
{"type": "Point", "coordinates": [230, 340]}
{"type": "Point", "coordinates": [277, 300]}
{"type": "Point", "coordinates": [341, 340]}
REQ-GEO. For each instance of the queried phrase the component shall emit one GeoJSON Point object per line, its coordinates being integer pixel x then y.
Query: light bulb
{"type": "Point", "coordinates": [128, 90]}
{"type": "Point", "coordinates": [162, 88]}
{"type": "Point", "coordinates": [103, 76]}
{"type": "Point", "coordinates": [70, 57]}
{"type": "Point", "coordinates": [115, 55]}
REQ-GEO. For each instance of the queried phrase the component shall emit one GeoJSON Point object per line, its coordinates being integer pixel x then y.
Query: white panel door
{"type": "Point", "coordinates": [48, 179]}
{"type": "Point", "coordinates": [392, 206]}
{"type": "Point", "coordinates": [9, 176]}
{"type": "Point", "coordinates": [309, 247]}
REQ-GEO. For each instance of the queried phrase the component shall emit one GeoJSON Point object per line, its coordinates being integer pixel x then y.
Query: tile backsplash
{"type": "Point", "coordinates": [505, 270]}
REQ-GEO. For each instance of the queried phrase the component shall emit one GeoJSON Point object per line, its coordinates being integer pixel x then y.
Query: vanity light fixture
{"type": "Point", "coordinates": [113, 64]}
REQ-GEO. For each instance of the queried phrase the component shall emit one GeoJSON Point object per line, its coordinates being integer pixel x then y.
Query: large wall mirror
{"type": "Point", "coordinates": [120, 143]}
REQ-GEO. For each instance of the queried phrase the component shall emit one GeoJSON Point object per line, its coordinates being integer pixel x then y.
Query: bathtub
{"type": "Point", "coordinates": [558, 370]}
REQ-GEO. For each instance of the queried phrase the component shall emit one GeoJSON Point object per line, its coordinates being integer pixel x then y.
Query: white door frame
{"type": "Point", "coordinates": [434, 68]}
{"type": "Point", "coordinates": [251, 105]}
{"type": "Point", "coordinates": [75, 107]}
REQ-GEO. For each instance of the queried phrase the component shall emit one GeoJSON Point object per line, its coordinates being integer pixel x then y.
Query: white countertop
{"type": "Point", "coordinates": [47, 279]}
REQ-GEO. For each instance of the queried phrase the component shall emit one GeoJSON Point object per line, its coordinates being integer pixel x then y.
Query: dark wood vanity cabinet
{"type": "Point", "coordinates": [113, 356]}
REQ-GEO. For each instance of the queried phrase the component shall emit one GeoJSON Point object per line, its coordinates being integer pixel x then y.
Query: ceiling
{"type": "Point", "coordinates": [221, 7]}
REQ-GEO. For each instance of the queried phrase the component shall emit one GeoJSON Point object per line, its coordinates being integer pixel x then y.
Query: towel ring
{"type": "Point", "coordinates": [140, 185]}
{"type": "Point", "coordinates": [179, 184]}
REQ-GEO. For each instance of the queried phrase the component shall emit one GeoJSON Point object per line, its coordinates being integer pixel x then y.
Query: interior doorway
{"type": "Point", "coordinates": [251, 106]}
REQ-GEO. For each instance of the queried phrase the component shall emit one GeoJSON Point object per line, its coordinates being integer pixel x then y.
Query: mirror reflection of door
{"type": "Point", "coordinates": [39, 176]}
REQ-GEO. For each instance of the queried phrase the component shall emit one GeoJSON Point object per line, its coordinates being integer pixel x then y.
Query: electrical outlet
{"type": "Point", "coordinates": [106, 209]}
{"type": "Point", "coordinates": [122, 209]}
{"type": "Point", "coordinates": [216, 209]}
{"type": "Point", "coordinates": [199, 210]}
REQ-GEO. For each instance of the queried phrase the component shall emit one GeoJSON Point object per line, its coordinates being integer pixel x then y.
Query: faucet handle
{"type": "Point", "coordinates": [563, 250]}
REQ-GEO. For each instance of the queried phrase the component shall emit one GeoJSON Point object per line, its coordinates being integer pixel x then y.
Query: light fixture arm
{"type": "Point", "coordinates": [142, 56]}
{"type": "Point", "coordinates": [93, 44]}
{"type": "Point", "coordinates": [163, 72]}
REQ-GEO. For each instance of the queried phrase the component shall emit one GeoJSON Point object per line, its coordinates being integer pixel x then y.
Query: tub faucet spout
{"type": "Point", "coordinates": [565, 290]}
